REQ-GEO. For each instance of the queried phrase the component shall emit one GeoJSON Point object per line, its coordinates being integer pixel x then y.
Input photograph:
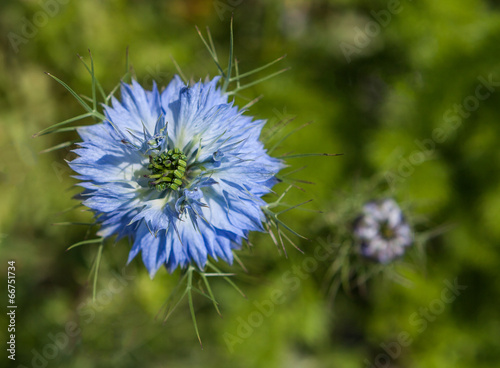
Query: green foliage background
{"type": "Point", "coordinates": [395, 91]}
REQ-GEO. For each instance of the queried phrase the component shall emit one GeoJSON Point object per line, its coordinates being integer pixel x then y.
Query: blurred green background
{"type": "Point", "coordinates": [397, 86]}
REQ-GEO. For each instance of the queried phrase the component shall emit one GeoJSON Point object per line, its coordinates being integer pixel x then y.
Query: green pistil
{"type": "Point", "coordinates": [167, 170]}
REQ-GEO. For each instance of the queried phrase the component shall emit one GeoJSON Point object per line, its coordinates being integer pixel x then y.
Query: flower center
{"type": "Point", "coordinates": [386, 231]}
{"type": "Point", "coordinates": [167, 170]}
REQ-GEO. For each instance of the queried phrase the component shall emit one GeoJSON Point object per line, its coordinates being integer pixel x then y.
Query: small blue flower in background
{"type": "Point", "coordinates": [181, 172]}
{"type": "Point", "coordinates": [382, 231]}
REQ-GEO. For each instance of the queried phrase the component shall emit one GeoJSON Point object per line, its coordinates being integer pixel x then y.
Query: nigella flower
{"type": "Point", "coordinates": [181, 173]}
{"type": "Point", "coordinates": [382, 231]}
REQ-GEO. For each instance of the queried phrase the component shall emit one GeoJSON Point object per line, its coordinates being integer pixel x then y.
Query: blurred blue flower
{"type": "Point", "coordinates": [181, 173]}
{"type": "Point", "coordinates": [382, 231]}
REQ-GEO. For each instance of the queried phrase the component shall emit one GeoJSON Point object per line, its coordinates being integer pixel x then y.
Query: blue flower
{"type": "Point", "coordinates": [180, 172]}
{"type": "Point", "coordinates": [382, 231]}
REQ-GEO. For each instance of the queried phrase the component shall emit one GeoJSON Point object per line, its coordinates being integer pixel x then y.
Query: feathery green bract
{"type": "Point", "coordinates": [226, 73]}
{"type": "Point", "coordinates": [92, 111]}
{"type": "Point", "coordinates": [188, 278]}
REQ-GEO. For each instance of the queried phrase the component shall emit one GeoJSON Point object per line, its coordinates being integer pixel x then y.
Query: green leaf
{"type": "Point", "coordinates": [91, 72]}
{"type": "Point", "coordinates": [209, 289]}
{"type": "Point", "coordinates": [230, 61]}
{"type": "Point", "coordinates": [286, 136]}
{"type": "Point", "coordinates": [212, 53]}
{"type": "Point", "coordinates": [70, 90]}
{"type": "Point", "coordinates": [229, 281]}
{"type": "Point", "coordinates": [59, 146]}
{"type": "Point", "coordinates": [96, 273]}
{"type": "Point", "coordinates": [257, 81]}
{"type": "Point", "coordinates": [179, 70]}
{"type": "Point", "coordinates": [51, 129]}
{"type": "Point", "coordinates": [91, 241]}
{"type": "Point", "coordinates": [256, 70]}
{"type": "Point", "coordinates": [190, 301]}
